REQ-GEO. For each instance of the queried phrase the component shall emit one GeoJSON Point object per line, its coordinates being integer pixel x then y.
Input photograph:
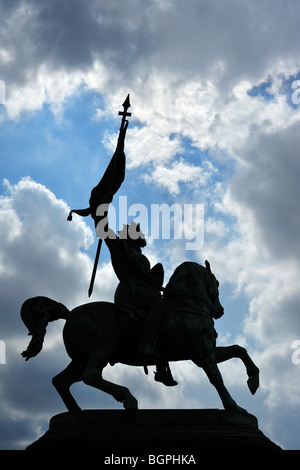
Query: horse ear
{"type": "Point", "coordinates": [207, 266]}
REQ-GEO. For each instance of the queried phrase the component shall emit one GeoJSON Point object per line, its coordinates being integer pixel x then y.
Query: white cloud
{"type": "Point", "coordinates": [188, 67]}
{"type": "Point", "coordinates": [146, 146]}
{"type": "Point", "coordinates": [41, 251]}
{"type": "Point", "coordinates": [41, 254]}
{"type": "Point", "coordinates": [180, 172]}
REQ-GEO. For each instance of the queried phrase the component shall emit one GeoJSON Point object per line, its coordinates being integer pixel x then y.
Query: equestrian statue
{"type": "Point", "coordinates": [148, 324]}
{"type": "Point", "coordinates": [97, 334]}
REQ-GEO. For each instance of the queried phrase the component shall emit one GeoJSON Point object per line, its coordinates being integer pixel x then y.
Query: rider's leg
{"type": "Point", "coordinates": [163, 374]}
{"type": "Point", "coordinates": [155, 308]}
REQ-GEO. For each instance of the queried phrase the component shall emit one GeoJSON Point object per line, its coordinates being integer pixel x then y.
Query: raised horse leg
{"type": "Point", "coordinates": [209, 365]}
{"type": "Point", "coordinates": [229, 352]}
{"type": "Point", "coordinates": [93, 376]}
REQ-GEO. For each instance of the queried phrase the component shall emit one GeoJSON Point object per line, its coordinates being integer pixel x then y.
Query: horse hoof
{"type": "Point", "coordinates": [253, 383]}
{"type": "Point", "coordinates": [236, 407]}
{"type": "Point", "coordinates": [240, 409]}
{"type": "Point", "coordinates": [130, 404]}
{"type": "Point", "coordinates": [78, 415]}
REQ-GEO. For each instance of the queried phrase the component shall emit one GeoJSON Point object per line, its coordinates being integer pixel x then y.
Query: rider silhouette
{"type": "Point", "coordinates": [139, 286]}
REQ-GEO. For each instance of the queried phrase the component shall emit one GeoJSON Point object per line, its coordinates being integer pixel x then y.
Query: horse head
{"type": "Point", "coordinates": [212, 289]}
{"type": "Point", "coordinates": [194, 288]}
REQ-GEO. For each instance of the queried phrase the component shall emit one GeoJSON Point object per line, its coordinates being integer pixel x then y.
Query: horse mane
{"type": "Point", "coordinates": [182, 271]}
{"type": "Point", "coordinates": [187, 284]}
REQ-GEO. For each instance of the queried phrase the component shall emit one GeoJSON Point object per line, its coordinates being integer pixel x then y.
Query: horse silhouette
{"type": "Point", "coordinates": [97, 334]}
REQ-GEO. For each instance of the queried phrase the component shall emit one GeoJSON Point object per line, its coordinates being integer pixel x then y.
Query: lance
{"type": "Point", "coordinates": [124, 113]}
{"type": "Point", "coordinates": [121, 138]}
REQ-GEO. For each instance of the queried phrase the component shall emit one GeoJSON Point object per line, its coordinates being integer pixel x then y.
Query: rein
{"type": "Point", "coordinates": [199, 297]}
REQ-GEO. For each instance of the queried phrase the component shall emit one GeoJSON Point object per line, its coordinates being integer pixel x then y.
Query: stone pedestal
{"type": "Point", "coordinates": [117, 433]}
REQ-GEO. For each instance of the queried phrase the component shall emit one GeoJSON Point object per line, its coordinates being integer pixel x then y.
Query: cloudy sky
{"type": "Point", "coordinates": [215, 124]}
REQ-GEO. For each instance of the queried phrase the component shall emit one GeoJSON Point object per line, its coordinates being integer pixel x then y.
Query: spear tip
{"type": "Point", "coordinates": [126, 103]}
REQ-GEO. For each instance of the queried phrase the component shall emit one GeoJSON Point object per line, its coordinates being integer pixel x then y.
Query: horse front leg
{"type": "Point", "coordinates": [224, 353]}
{"type": "Point", "coordinates": [209, 365]}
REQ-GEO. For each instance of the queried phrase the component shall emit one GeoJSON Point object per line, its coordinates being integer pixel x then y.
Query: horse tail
{"type": "Point", "coordinates": [36, 313]}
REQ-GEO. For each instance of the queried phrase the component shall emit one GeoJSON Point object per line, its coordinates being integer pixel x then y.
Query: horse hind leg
{"type": "Point", "coordinates": [63, 381]}
{"type": "Point", "coordinates": [93, 376]}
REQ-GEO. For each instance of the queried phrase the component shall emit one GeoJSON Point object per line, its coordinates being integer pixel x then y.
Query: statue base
{"type": "Point", "coordinates": [116, 433]}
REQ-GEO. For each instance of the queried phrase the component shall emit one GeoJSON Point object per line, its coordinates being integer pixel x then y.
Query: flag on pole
{"type": "Point", "coordinates": [108, 185]}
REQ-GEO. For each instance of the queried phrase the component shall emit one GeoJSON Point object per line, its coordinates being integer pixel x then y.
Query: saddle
{"type": "Point", "coordinates": [124, 298]}
{"type": "Point", "coordinates": [132, 315]}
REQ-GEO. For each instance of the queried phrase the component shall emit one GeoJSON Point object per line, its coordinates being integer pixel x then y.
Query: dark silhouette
{"type": "Point", "coordinates": [141, 327]}
{"type": "Point", "coordinates": [96, 334]}
{"type": "Point", "coordinates": [108, 185]}
{"type": "Point", "coordinates": [138, 294]}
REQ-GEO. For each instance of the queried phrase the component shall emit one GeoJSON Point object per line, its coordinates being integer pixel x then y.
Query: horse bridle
{"type": "Point", "coordinates": [199, 297]}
